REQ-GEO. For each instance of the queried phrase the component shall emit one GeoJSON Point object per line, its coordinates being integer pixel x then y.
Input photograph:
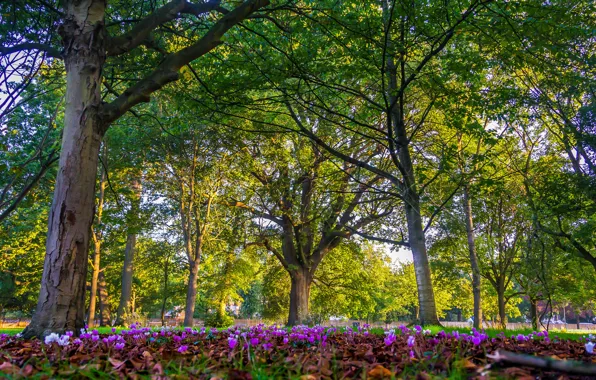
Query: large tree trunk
{"type": "Point", "coordinates": [61, 303]}
{"type": "Point", "coordinates": [473, 259]}
{"type": "Point", "coordinates": [426, 295]}
{"type": "Point", "coordinates": [191, 294]}
{"type": "Point", "coordinates": [104, 307]}
{"type": "Point", "coordinates": [129, 252]}
{"type": "Point", "coordinates": [299, 296]}
{"type": "Point", "coordinates": [124, 307]}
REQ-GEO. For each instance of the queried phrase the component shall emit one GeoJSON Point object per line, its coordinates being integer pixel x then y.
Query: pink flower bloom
{"type": "Point", "coordinates": [183, 348]}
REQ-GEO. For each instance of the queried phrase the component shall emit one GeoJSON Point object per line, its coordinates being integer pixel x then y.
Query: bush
{"type": "Point", "coordinates": [219, 320]}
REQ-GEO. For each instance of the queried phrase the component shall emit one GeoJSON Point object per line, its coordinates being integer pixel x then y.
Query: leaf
{"type": "Point", "coordinates": [379, 372]}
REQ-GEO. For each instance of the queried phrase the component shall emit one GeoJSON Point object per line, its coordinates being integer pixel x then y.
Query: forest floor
{"type": "Point", "coordinates": [300, 353]}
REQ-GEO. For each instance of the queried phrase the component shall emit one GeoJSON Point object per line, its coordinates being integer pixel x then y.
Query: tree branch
{"type": "Point", "coordinates": [167, 71]}
{"type": "Point", "coordinates": [49, 50]}
{"type": "Point", "coordinates": [141, 31]}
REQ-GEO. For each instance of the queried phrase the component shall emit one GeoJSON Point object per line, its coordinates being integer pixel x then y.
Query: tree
{"type": "Point", "coordinates": [305, 204]}
{"type": "Point", "coordinates": [87, 44]}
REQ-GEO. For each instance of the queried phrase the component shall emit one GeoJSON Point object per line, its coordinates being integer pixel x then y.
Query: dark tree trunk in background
{"type": "Point", "coordinates": [501, 304]}
{"type": "Point", "coordinates": [124, 307]}
{"type": "Point", "coordinates": [165, 293]}
{"type": "Point", "coordinates": [191, 294]}
{"type": "Point", "coordinates": [476, 281]}
{"type": "Point", "coordinates": [61, 303]}
{"type": "Point", "coordinates": [299, 296]}
{"type": "Point", "coordinates": [104, 307]}
{"type": "Point", "coordinates": [534, 313]}
{"type": "Point", "coordinates": [97, 238]}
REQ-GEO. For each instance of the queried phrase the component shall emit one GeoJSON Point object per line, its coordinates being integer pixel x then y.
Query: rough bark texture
{"type": "Point", "coordinates": [61, 303]}
{"type": "Point", "coordinates": [299, 297]}
{"type": "Point", "coordinates": [104, 307]}
{"type": "Point", "coordinates": [124, 307]}
{"type": "Point", "coordinates": [191, 295]}
{"type": "Point", "coordinates": [473, 259]}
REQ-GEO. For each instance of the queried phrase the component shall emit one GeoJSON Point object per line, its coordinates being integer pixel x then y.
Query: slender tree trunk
{"type": "Point", "coordinates": [165, 294]}
{"type": "Point", "coordinates": [299, 296]}
{"type": "Point", "coordinates": [191, 294]}
{"type": "Point", "coordinates": [104, 307]}
{"type": "Point", "coordinates": [97, 236]}
{"type": "Point", "coordinates": [426, 295]}
{"type": "Point", "coordinates": [61, 302]}
{"type": "Point", "coordinates": [501, 304]}
{"type": "Point", "coordinates": [124, 307]}
{"type": "Point", "coordinates": [534, 313]}
{"type": "Point", "coordinates": [473, 259]}
{"type": "Point", "coordinates": [94, 281]}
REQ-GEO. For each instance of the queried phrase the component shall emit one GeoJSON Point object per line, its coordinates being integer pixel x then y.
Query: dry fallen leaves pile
{"type": "Point", "coordinates": [275, 352]}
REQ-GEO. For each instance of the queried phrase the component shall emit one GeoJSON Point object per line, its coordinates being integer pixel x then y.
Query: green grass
{"type": "Point", "coordinates": [569, 334]}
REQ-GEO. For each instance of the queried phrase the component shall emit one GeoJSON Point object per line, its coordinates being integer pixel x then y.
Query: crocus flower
{"type": "Point", "coordinates": [254, 341]}
{"type": "Point", "coordinates": [590, 347]}
{"type": "Point", "coordinates": [411, 341]}
{"type": "Point", "coordinates": [232, 342]}
{"type": "Point", "coordinates": [476, 340]}
{"type": "Point", "coordinates": [411, 354]}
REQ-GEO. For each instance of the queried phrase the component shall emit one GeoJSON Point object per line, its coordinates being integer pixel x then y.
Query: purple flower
{"type": "Point", "coordinates": [412, 354]}
{"type": "Point", "coordinates": [176, 338]}
{"type": "Point", "coordinates": [411, 341]}
{"type": "Point", "coordinates": [286, 340]}
{"type": "Point", "coordinates": [119, 346]}
{"type": "Point", "coordinates": [267, 346]}
{"type": "Point", "coordinates": [183, 348]}
{"type": "Point", "coordinates": [476, 340]}
{"type": "Point", "coordinates": [113, 329]}
{"type": "Point", "coordinates": [95, 338]}
{"type": "Point", "coordinates": [254, 341]}
{"type": "Point", "coordinates": [389, 339]}
{"type": "Point", "coordinates": [232, 342]}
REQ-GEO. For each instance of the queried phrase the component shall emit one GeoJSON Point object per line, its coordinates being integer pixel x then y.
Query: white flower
{"type": "Point", "coordinates": [590, 347]}
{"type": "Point", "coordinates": [426, 332]}
{"type": "Point", "coordinates": [19, 335]}
{"type": "Point", "coordinates": [53, 337]}
{"type": "Point", "coordinates": [63, 340]}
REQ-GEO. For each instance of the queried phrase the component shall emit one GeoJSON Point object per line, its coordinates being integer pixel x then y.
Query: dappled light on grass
{"type": "Point", "coordinates": [274, 352]}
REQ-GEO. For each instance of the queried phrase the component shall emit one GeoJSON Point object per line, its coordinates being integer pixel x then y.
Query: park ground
{"type": "Point", "coordinates": [304, 353]}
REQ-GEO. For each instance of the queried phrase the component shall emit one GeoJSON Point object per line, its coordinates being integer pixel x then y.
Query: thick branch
{"type": "Point", "coordinates": [141, 31]}
{"type": "Point", "coordinates": [566, 366]}
{"type": "Point", "coordinates": [167, 71]}
{"type": "Point", "coordinates": [49, 50]}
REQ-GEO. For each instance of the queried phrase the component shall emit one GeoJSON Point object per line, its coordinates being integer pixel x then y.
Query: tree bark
{"type": "Point", "coordinates": [97, 237]}
{"type": "Point", "coordinates": [61, 302]}
{"type": "Point", "coordinates": [94, 281]}
{"type": "Point", "coordinates": [124, 307]}
{"type": "Point", "coordinates": [299, 296]}
{"type": "Point", "coordinates": [473, 259]}
{"type": "Point", "coordinates": [501, 304]}
{"type": "Point", "coordinates": [426, 295]}
{"type": "Point", "coordinates": [129, 252]}
{"type": "Point", "coordinates": [191, 294]}
{"type": "Point", "coordinates": [534, 313]}
{"type": "Point", "coordinates": [104, 307]}
{"type": "Point", "coordinates": [165, 293]}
